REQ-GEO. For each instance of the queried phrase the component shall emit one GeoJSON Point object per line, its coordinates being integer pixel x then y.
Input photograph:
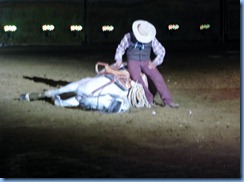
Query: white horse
{"type": "Point", "coordinates": [107, 92]}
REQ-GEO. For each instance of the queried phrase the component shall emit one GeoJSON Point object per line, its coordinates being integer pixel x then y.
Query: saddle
{"type": "Point", "coordinates": [120, 77]}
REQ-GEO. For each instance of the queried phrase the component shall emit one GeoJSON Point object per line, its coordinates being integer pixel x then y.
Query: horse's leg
{"type": "Point", "coordinates": [72, 87]}
{"type": "Point", "coordinates": [71, 102]}
{"type": "Point", "coordinates": [32, 96]}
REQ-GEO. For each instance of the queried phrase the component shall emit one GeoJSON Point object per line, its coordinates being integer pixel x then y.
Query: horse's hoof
{"type": "Point", "coordinates": [58, 101]}
{"type": "Point", "coordinates": [24, 97]}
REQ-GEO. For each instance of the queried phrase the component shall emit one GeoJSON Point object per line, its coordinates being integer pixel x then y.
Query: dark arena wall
{"type": "Point", "coordinates": [223, 16]}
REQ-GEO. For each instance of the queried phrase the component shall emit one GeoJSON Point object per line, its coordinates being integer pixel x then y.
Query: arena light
{"type": "Point", "coordinates": [173, 27]}
{"type": "Point", "coordinates": [204, 26]}
{"type": "Point", "coordinates": [107, 28]}
{"type": "Point", "coordinates": [75, 28]}
{"type": "Point", "coordinates": [48, 28]}
{"type": "Point", "coordinates": [10, 28]}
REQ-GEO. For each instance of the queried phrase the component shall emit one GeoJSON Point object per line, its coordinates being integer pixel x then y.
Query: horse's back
{"type": "Point", "coordinates": [99, 84]}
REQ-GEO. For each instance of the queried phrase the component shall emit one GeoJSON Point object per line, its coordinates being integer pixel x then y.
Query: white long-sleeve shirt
{"type": "Point", "coordinates": [157, 48]}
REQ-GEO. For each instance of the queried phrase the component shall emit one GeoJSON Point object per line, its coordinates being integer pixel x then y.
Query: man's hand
{"type": "Point", "coordinates": [151, 65]}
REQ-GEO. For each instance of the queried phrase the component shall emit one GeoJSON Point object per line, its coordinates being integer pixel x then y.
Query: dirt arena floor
{"type": "Point", "coordinates": [201, 139]}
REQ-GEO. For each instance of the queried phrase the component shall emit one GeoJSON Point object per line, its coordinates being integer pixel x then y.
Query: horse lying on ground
{"type": "Point", "coordinates": [110, 91]}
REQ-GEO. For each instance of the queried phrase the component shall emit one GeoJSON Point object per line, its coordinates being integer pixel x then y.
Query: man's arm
{"type": "Point", "coordinates": [159, 51]}
{"type": "Point", "coordinates": [120, 51]}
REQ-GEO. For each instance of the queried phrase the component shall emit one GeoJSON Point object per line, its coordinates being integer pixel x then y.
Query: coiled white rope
{"type": "Point", "coordinates": [137, 97]}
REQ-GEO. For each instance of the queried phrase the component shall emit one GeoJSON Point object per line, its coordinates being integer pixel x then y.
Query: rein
{"type": "Point", "coordinates": [117, 77]}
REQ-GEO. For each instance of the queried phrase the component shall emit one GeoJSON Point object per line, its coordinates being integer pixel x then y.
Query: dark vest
{"type": "Point", "coordinates": [138, 51]}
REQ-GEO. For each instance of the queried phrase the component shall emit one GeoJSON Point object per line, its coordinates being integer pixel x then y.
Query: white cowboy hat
{"type": "Point", "coordinates": [144, 31]}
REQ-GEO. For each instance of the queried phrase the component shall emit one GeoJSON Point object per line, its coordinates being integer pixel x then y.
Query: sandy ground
{"type": "Point", "coordinates": [39, 139]}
